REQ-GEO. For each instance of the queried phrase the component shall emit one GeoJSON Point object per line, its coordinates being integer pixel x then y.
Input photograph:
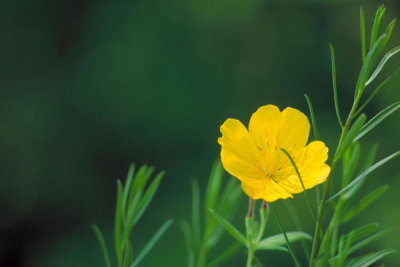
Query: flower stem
{"type": "Point", "coordinates": [264, 214]}
{"type": "Point", "coordinates": [251, 205]}
{"type": "Point", "coordinates": [296, 261]}
{"type": "Point", "coordinates": [326, 187]}
{"type": "Point", "coordinates": [250, 255]}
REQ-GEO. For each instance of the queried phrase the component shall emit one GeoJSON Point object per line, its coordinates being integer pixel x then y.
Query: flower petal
{"type": "Point", "coordinates": [264, 127]}
{"type": "Point", "coordinates": [312, 167]}
{"type": "Point", "coordinates": [239, 155]}
{"type": "Point", "coordinates": [266, 189]}
{"type": "Point", "coordinates": [294, 129]}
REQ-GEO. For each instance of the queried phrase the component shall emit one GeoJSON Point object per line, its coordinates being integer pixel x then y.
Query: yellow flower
{"type": "Point", "coordinates": [255, 157]}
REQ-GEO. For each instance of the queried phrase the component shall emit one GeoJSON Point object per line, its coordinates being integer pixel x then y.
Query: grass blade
{"type": "Point", "coordinates": [301, 181]}
{"type": "Point", "coordinates": [100, 237]}
{"type": "Point", "coordinates": [229, 227]}
{"type": "Point", "coordinates": [313, 121]}
{"type": "Point", "coordinates": [152, 242]}
{"type": "Point", "coordinates": [335, 96]}
{"type": "Point", "coordinates": [366, 172]}
{"type": "Point", "coordinates": [368, 240]}
{"type": "Point", "coordinates": [214, 185]}
{"type": "Point", "coordinates": [364, 203]}
{"type": "Point", "coordinates": [279, 239]}
{"type": "Point", "coordinates": [299, 225]}
{"type": "Point", "coordinates": [187, 235]}
{"type": "Point", "coordinates": [127, 188]}
{"type": "Point", "coordinates": [370, 61]}
{"type": "Point", "coordinates": [372, 123]}
{"type": "Point", "coordinates": [377, 24]}
{"type": "Point", "coordinates": [362, 30]}
{"type": "Point", "coordinates": [229, 252]}
{"type": "Point", "coordinates": [368, 162]}
{"type": "Point", "coordinates": [148, 197]}
{"type": "Point", "coordinates": [118, 219]}
{"type": "Point", "coordinates": [227, 203]}
{"type": "Point", "coordinates": [367, 260]}
{"type": "Point", "coordinates": [361, 232]}
{"type": "Point", "coordinates": [128, 256]}
{"type": "Point", "coordinates": [377, 89]}
{"type": "Point", "coordinates": [350, 161]}
{"type": "Point", "coordinates": [196, 212]}
{"type": "Point", "coordinates": [353, 132]}
{"type": "Point", "coordinates": [136, 190]}
{"type": "Point", "coordinates": [382, 63]}
{"type": "Point", "coordinates": [296, 261]}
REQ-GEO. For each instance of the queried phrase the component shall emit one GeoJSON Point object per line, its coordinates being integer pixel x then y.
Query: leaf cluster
{"type": "Point", "coordinates": [204, 232]}
{"type": "Point", "coordinates": [133, 198]}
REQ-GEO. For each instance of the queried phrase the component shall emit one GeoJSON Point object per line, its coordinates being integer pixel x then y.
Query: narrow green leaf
{"type": "Point", "coordinates": [389, 28]}
{"type": "Point", "coordinates": [313, 120]}
{"type": "Point", "coordinates": [118, 218]}
{"type": "Point", "coordinates": [100, 237]}
{"type": "Point", "coordinates": [377, 24]}
{"type": "Point", "coordinates": [196, 212]}
{"type": "Point", "coordinates": [361, 232]}
{"type": "Point", "coordinates": [228, 253]}
{"type": "Point", "coordinates": [369, 259]}
{"type": "Point", "coordinates": [127, 188]}
{"type": "Point", "coordinates": [350, 161]}
{"type": "Point", "coordinates": [372, 123]}
{"type": "Point", "coordinates": [188, 237]}
{"type": "Point", "coordinates": [296, 261]}
{"type": "Point", "coordinates": [214, 185]}
{"type": "Point", "coordinates": [135, 214]}
{"type": "Point", "coordinates": [366, 172]}
{"type": "Point", "coordinates": [301, 181]}
{"type": "Point", "coordinates": [370, 61]}
{"type": "Point", "coordinates": [368, 162]}
{"type": "Point", "coordinates": [294, 215]}
{"type": "Point", "coordinates": [364, 203]}
{"type": "Point", "coordinates": [335, 96]}
{"type": "Point", "coordinates": [382, 63]}
{"type": "Point", "coordinates": [362, 30]}
{"type": "Point", "coordinates": [272, 247]}
{"type": "Point", "coordinates": [341, 256]}
{"type": "Point", "coordinates": [369, 240]}
{"type": "Point", "coordinates": [148, 196]}
{"type": "Point", "coordinates": [354, 130]}
{"type": "Point", "coordinates": [227, 206]}
{"type": "Point", "coordinates": [229, 227]}
{"type": "Point", "coordinates": [279, 239]}
{"type": "Point", "coordinates": [128, 257]}
{"type": "Point", "coordinates": [137, 187]}
{"type": "Point", "coordinates": [335, 233]}
{"type": "Point", "coordinates": [152, 242]}
{"type": "Point", "coordinates": [377, 89]}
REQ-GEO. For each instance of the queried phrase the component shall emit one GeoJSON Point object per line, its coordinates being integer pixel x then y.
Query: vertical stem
{"type": "Point", "coordinates": [326, 187]}
{"type": "Point", "coordinates": [296, 261]}
{"type": "Point", "coordinates": [250, 255]}
{"type": "Point", "coordinates": [251, 205]}
{"type": "Point", "coordinates": [264, 214]}
{"type": "Point", "coordinates": [202, 256]}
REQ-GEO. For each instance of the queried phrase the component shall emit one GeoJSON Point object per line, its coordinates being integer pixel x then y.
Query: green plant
{"type": "Point", "coordinates": [132, 200]}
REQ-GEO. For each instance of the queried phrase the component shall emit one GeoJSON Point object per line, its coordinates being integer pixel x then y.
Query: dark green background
{"type": "Point", "coordinates": [89, 86]}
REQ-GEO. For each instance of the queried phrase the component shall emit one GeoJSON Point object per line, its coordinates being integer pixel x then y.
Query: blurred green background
{"type": "Point", "coordinates": [88, 86]}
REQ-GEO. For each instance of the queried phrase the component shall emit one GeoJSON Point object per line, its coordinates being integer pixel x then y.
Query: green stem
{"type": "Point", "coordinates": [250, 255]}
{"type": "Point", "coordinates": [326, 186]}
{"type": "Point", "coordinates": [296, 261]}
{"type": "Point", "coordinates": [264, 214]}
{"type": "Point", "coordinates": [201, 260]}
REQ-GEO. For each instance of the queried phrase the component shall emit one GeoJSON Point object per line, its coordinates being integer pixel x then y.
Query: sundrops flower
{"type": "Point", "coordinates": [254, 156]}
